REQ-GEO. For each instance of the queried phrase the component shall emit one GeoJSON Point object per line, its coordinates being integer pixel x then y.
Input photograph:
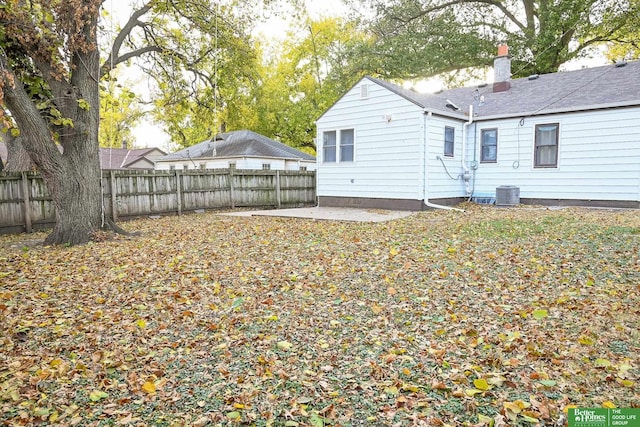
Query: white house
{"type": "Point", "coordinates": [563, 138]}
{"type": "Point", "coordinates": [241, 149]}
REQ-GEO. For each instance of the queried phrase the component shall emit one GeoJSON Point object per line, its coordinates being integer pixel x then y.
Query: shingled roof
{"type": "Point", "coordinates": [123, 158]}
{"type": "Point", "coordinates": [241, 143]}
{"type": "Point", "coordinates": [616, 85]}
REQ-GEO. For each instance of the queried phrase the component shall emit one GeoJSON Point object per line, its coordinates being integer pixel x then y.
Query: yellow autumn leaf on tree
{"type": "Point", "coordinates": [149, 387]}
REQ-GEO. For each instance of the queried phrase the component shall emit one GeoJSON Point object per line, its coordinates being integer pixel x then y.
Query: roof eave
{"type": "Point", "coordinates": [234, 157]}
{"type": "Point", "coordinates": [565, 110]}
{"type": "Point", "coordinates": [447, 114]}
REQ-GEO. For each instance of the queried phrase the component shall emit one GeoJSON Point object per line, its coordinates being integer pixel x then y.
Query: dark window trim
{"type": "Point", "coordinates": [535, 146]}
{"type": "Point", "coordinates": [453, 142]}
{"type": "Point", "coordinates": [482, 131]}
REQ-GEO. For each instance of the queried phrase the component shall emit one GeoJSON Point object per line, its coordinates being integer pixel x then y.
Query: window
{"type": "Point", "coordinates": [489, 149]}
{"type": "Point", "coordinates": [303, 168]}
{"type": "Point", "coordinates": [203, 166]}
{"type": "Point", "coordinates": [172, 168]}
{"type": "Point", "coordinates": [329, 147]}
{"type": "Point", "coordinates": [266, 166]}
{"type": "Point", "coordinates": [449, 137]}
{"type": "Point", "coordinates": [232, 165]}
{"type": "Point", "coordinates": [346, 145]}
{"type": "Point", "coordinates": [338, 146]}
{"type": "Point", "coordinates": [546, 146]}
{"type": "Point", "coordinates": [185, 167]}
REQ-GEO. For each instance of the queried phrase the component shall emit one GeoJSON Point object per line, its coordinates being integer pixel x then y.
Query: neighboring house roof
{"type": "Point", "coordinates": [241, 143]}
{"type": "Point", "coordinates": [616, 85]}
{"type": "Point", "coordinates": [115, 158]}
{"type": "Point", "coordinates": [122, 158]}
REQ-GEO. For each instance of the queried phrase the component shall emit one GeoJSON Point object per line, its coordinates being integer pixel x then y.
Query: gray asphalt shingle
{"type": "Point", "coordinates": [241, 143]}
{"type": "Point", "coordinates": [585, 89]}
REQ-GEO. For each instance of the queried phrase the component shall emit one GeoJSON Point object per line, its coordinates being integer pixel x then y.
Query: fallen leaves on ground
{"type": "Point", "coordinates": [493, 316]}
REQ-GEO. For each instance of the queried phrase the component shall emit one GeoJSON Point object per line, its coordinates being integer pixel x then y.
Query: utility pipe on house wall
{"type": "Point", "coordinates": [466, 176]}
{"type": "Point", "coordinates": [427, 116]}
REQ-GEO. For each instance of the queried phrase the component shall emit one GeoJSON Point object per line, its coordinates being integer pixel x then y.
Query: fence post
{"type": "Point", "coordinates": [27, 202]}
{"type": "Point", "coordinates": [179, 192]}
{"type": "Point", "coordinates": [231, 190]}
{"type": "Point", "coordinates": [114, 199]}
{"type": "Point", "coordinates": [278, 195]}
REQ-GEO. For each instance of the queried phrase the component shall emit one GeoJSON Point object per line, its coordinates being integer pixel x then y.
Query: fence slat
{"type": "Point", "coordinates": [278, 193]}
{"type": "Point", "coordinates": [231, 190]}
{"type": "Point", "coordinates": [114, 195]}
{"type": "Point", "coordinates": [178, 192]}
{"type": "Point", "coordinates": [26, 189]}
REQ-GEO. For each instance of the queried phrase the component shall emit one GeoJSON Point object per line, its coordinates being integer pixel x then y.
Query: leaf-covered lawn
{"type": "Point", "coordinates": [442, 317]}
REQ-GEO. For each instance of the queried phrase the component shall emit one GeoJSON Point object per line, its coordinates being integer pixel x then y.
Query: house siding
{"type": "Point", "coordinates": [598, 157]}
{"type": "Point", "coordinates": [389, 137]}
{"type": "Point", "coordinates": [399, 154]}
{"type": "Point", "coordinates": [439, 184]}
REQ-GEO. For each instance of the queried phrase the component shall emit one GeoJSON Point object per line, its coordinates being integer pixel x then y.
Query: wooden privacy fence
{"type": "Point", "coordinates": [25, 203]}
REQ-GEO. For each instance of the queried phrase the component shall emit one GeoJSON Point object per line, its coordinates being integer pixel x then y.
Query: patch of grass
{"type": "Point", "coordinates": [210, 319]}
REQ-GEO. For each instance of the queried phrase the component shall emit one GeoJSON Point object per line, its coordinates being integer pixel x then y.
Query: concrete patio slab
{"type": "Point", "coordinates": [328, 213]}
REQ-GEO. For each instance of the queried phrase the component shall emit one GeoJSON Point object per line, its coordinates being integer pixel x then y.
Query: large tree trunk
{"type": "Point", "coordinates": [77, 196]}
{"type": "Point", "coordinates": [73, 175]}
{"type": "Point", "coordinates": [18, 159]}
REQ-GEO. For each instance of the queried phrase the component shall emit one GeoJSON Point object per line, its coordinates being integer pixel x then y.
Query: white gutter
{"type": "Point", "coordinates": [425, 176]}
{"type": "Point", "coordinates": [466, 176]}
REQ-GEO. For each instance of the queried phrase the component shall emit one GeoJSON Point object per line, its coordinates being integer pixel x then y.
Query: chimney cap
{"type": "Point", "coordinates": [503, 50]}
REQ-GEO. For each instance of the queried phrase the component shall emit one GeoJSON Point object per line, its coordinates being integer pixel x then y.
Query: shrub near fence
{"type": "Point", "coordinates": [25, 204]}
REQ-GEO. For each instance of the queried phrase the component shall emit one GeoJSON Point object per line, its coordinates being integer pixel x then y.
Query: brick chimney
{"type": "Point", "coordinates": [502, 70]}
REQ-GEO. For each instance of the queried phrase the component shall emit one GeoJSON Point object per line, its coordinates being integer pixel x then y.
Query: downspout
{"type": "Point", "coordinates": [474, 163]}
{"type": "Point", "coordinates": [427, 116]}
{"type": "Point", "coordinates": [466, 176]}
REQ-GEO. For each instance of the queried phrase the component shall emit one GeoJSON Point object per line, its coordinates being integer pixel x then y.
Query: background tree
{"type": "Point", "coordinates": [299, 83]}
{"type": "Point", "coordinates": [120, 112]}
{"type": "Point", "coordinates": [420, 38]}
{"type": "Point", "coordinates": [192, 107]}
{"type": "Point", "coordinates": [625, 44]}
{"type": "Point", "coordinates": [50, 71]}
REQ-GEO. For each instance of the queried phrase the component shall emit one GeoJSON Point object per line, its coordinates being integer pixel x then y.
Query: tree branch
{"type": "Point", "coordinates": [495, 3]}
{"type": "Point", "coordinates": [41, 148]}
{"type": "Point", "coordinates": [114, 57]}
